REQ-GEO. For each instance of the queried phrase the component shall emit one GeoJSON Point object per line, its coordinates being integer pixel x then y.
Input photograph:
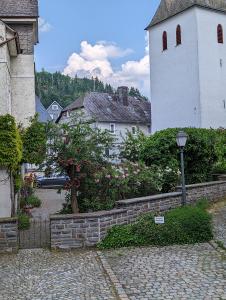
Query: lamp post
{"type": "Point", "coordinates": [181, 142]}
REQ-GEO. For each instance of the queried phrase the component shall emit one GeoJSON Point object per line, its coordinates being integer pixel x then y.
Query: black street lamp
{"type": "Point", "coordinates": [181, 142]}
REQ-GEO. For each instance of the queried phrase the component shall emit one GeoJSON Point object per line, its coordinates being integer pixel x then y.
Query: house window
{"type": "Point", "coordinates": [51, 116]}
{"type": "Point", "coordinates": [224, 104]}
{"type": "Point", "coordinates": [112, 128]}
{"type": "Point", "coordinates": [149, 128]}
{"type": "Point", "coordinates": [54, 107]}
{"type": "Point", "coordinates": [220, 36]}
{"type": "Point", "coordinates": [107, 152]}
{"type": "Point", "coordinates": [178, 35]}
{"type": "Point", "coordinates": [164, 41]}
{"type": "Point", "coordinates": [134, 130]}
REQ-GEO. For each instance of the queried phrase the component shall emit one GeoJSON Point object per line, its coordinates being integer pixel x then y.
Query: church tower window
{"type": "Point", "coordinates": [164, 41]}
{"type": "Point", "coordinates": [178, 35]}
{"type": "Point", "coordinates": [220, 37]}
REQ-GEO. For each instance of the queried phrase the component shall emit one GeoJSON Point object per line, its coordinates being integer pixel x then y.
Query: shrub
{"type": "Point", "coordinates": [200, 152]}
{"type": "Point", "coordinates": [33, 201]}
{"type": "Point", "coordinates": [23, 221]}
{"type": "Point", "coordinates": [185, 225]}
{"type": "Point", "coordinates": [111, 183]}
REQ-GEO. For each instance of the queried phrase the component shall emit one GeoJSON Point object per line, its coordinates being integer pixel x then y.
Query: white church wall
{"type": "Point", "coordinates": [175, 74]}
{"type": "Point", "coordinates": [23, 88]}
{"type": "Point", "coordinates": [212, 68]}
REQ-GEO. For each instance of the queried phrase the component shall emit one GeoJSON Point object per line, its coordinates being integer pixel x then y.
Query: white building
{"type": "Point", "coordinates": [54, 110]}
{"type": "Point", "coordinates": [18, 35]}
{"type": "Point", "coordinates": [188, 64]}
{"type": "Point", "coordinates": [118, 113]}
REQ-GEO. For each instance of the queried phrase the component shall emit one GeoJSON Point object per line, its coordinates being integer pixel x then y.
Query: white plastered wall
{"type": "Point", "coordinates": [23, 88]}
{"type": "Point", "coordinates": [175, 74]}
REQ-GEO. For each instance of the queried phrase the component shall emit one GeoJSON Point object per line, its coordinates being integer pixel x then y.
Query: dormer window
{"type": "Point", "coordinates": [178, 35]}
{"type": "Point", "coordinates": [164, 41]}
{"type": "Point", "coordinates": [54, 107]}
{"type": "Point", "coordinates": [220, 35]}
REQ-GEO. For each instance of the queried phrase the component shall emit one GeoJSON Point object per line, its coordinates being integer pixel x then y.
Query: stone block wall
{"type": "Point", "coordinates": [8, 235]}
{"type": "Point", "coordinates": [86, 230]}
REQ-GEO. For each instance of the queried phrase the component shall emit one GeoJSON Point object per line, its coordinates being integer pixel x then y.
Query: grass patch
{"type": "Point", "coordinates": [185, 225]}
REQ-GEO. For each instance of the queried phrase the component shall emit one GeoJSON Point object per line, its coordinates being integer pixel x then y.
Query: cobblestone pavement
{"type": "Point", "coordinates": [180, 272]}
{"type": "Point", "coordinates": [220, 224]}
{"type": "Point", "coordinates": [42, 275]}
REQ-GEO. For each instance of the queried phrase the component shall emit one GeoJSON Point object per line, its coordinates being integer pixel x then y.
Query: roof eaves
{"type": "Point", "coordinates": [152, 24]}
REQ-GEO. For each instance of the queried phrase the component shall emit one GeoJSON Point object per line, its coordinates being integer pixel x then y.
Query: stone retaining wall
{"type": "Point", "coordinates": [85, 230]}
{"type": "Point", "coordinates": [8, 235]}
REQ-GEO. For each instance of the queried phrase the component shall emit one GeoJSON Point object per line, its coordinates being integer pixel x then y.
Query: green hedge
{"type": "Point", "coordinates": [186, 225]}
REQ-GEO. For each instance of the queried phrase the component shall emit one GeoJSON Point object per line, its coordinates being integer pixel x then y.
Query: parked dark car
{"type": "Point", "coordinates": [52, 181]}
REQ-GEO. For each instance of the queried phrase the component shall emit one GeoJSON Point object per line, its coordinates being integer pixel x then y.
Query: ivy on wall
{"type": "Point", "coordinates": [10, 143]}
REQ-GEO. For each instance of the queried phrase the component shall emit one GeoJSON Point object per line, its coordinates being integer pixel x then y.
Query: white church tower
{"type": "Point", "coordinates": [188, 64]}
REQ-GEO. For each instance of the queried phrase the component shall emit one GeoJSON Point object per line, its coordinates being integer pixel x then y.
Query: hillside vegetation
{"type": "Point", "coordinates": [64, 89]}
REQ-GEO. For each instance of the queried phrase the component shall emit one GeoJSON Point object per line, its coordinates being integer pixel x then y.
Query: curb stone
{"type": "Point", "coordinates": [217, 248]}
{"type": "Point", "coordinates": [117, 285]}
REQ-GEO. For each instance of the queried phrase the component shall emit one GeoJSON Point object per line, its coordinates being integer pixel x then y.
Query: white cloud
{"type": "Point", "coordinates": [43, 25]}
{"type": "Point", "coordinates": [95, 60]}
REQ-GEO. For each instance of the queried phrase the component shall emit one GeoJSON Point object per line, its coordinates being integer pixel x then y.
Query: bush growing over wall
{"type": "Point", "coordinates": [200, 152]}
{"type": "Point", "coordinates": [186, 225]}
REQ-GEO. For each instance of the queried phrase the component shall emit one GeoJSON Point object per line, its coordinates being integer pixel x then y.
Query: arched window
{"type": "Point", "coordinates": [164, 41]}
{"type": "Point", "coordinates": [220, 36]}
{"type": "Point", "coordinates": [178, 35]}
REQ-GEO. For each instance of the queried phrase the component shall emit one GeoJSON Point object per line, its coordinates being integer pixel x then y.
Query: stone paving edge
{"type": "Point", "coordinates": [114, 280]}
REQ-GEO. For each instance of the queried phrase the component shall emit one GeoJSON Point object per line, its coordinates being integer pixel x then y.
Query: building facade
{"type": "Point", "coordinates": [18, 35]}
{"type": "Point", "coordinates": [117, 113]}
{"type": "Point", "coordinates": [188, 64]}
{"type": "Point", "coordinates": [54, 110]}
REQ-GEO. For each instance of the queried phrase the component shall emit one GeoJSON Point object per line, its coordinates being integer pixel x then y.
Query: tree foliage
{"type": "Point", "coordinates": [200, 152]}
{"type": "Point", "coordinates": [34, 142]}
{"type": "Point", "coordinates": [76, 149]}
{"type": "Point", "coordinates": [10, 143]}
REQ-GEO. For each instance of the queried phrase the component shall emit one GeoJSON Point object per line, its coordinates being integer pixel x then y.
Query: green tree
{"type": "Point", "coordinates": [34, 142]}
{"type": "Point", "coordinates": [75, 149]}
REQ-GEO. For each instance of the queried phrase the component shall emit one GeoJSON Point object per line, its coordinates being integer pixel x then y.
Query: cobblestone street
{"type": "Point", "coordinates": [194, 272]}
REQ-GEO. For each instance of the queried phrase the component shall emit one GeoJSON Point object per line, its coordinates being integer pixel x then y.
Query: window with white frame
{"type": "Point", "coordinates": [112, 128]}
{"type": "Point", "coordinates": [54, 107]}
{"type": "Point", "coordinates": [134, 130]}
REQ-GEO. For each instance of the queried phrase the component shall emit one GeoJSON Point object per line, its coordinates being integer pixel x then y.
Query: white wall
{"type": "Point", "coordinates": [5, 81]}
{"type": "Point", "coordinates": [23, 88]}
{"type": "Point", "coordinates": [212, 74]}
{"type": "Point", "coordinates": [5, 200]}
{"type": "Point", "coordinates": [175, 74]}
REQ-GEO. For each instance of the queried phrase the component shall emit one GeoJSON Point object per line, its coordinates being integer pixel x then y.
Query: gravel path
{"type": "Point", "coordinates": [220, 224]}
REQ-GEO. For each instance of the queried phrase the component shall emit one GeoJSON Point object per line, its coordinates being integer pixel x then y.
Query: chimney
{"type": "Point", "coordinates": [123, 95]}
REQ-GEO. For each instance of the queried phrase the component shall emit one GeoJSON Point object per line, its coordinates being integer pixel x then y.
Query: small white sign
{"type": "Point", "coordinates": [159, 220]}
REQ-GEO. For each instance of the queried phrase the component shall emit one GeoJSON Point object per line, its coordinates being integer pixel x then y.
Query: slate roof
{"type": "Point", "coordinates": [43, 115]}
{"type": "Point", "coordinates": [169, 8]}
{"type": "Point", "coordinates": [104, 107]}
{"type": "Point", "coordinates": [18, 8]}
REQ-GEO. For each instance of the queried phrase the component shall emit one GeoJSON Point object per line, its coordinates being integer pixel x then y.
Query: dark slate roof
{"type": "Point", "coordinates": [104, 107]}
{"type": "Point", "coordinates": [43, 115]}
{"type": "Point", "coordinates": [18, 8]}
{"type": "Point", "coordinates": [169, 8]}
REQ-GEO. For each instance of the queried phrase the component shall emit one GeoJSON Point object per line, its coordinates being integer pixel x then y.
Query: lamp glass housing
{"type": "Point", "coordinates": [182, 139]}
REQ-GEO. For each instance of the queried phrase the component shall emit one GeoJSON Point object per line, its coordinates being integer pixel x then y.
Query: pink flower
{"type": "Point", "coordinates": [97, 180]}
{"type": "Point", "coordinates": [108, 176]}
{"type": "Point", "coordinates": [116, 176]}
{"type": "Point", "coordinates": [123, 176]}
{"type": "Point", "coordinates": [126, 175]}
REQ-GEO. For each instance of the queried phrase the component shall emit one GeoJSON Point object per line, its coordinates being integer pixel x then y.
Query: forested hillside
{"type": "Point", "coordinates": [65, 90]}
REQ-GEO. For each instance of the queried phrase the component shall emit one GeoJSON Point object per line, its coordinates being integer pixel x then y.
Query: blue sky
{"type": "Point", "coordinates": [96, 37]}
